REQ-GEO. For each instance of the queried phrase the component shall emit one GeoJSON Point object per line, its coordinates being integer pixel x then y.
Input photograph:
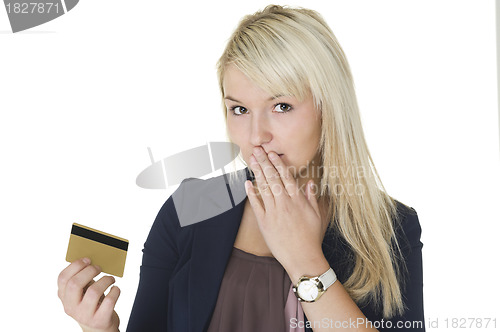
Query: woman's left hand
{"type": "Point", "coordinates": [290, 222]}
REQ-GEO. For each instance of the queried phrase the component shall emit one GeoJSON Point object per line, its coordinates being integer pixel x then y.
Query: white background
{"type": "Point", "coordinates": [83, 96]}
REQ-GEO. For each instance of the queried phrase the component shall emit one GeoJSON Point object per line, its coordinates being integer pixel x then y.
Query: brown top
{"type": "Point", "coordinates": [253, 295]}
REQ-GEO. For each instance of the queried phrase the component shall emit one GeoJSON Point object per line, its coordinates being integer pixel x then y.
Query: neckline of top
{"type": "Point", "coordinates": [243, 254]}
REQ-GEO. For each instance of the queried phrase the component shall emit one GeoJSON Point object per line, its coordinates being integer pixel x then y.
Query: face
{"type": "Point", "coordinates": [284, 125]}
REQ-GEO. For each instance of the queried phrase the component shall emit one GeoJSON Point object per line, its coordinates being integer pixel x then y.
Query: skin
{"type": "Point", "coordinates": [84, 300]}
{"type": "Point", "coordinates": [283, 125]}
{"type": "Point", "coordinates": [290, 220]}
{"type": "Point", "coordinates": [289, 217]}
{"type": "Point", "coordinates": [264, 129]}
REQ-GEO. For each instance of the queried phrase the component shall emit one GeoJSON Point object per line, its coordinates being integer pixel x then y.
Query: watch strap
{"type": "Point", "coordinates": [328, 278]}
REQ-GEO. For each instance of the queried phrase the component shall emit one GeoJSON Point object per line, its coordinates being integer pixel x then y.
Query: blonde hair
{"type": "Point", "coordinates": [293, 51]}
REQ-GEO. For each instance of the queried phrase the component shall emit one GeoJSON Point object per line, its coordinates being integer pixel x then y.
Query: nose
{"type": "Point", "coordinates": [260, 131]}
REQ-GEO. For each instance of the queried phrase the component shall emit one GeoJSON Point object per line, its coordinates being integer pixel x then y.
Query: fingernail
{"type": "Point", "coordinates": [86, 260]}
{"type": "Point", "coordinates": [98, 267]}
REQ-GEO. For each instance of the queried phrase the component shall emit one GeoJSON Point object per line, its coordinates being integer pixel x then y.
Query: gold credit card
{"type": "Point", "coordinates": [106, 250]}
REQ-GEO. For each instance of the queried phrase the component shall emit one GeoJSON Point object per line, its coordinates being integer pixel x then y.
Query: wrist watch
{"type": "Point", "coordinates": [310, 289]}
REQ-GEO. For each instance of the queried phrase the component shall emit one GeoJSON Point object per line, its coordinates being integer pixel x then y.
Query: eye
{"type": "Point", "coordinates": [238, 110]}
{"type": "Point", "coordinates": [282, 107]}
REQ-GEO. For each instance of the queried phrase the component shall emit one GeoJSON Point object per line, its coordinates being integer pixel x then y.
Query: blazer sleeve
{"type": "Point", "coordinates": [412, 319]}
{"type": "Point", "coordinates": [160, 256]}
{"type": "Point", "coordinates": [413, 290]}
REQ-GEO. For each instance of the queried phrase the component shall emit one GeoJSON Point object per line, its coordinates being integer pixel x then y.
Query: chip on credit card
{"type": "Point", "coordinates": [106, 250]}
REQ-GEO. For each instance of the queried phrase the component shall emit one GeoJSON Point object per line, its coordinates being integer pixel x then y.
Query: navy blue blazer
{"type": "Point", "coordinates": [182, 270]}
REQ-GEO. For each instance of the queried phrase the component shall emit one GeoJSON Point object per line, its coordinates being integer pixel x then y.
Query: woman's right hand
{"type": "Point", "coordinates": [84, 300]}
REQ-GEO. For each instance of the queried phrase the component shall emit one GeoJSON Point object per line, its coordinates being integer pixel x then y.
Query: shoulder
{"type": "Point", "coordinates": [407, 227]}
{"type": "Point", "coordinates": [197, 200]}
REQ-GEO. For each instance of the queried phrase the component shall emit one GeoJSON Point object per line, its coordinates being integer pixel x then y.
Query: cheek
{"type": "Point", "coordinates": [232, 130]}
{"type": "Point", "coordinates": [307, 142]}
{"type": "Point", "coordinates": [314, 131]}
{"type": "Point", "coordinates": [236, 135]}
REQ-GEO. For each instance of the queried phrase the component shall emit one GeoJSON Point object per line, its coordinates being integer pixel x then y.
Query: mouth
{"type": "Point", "coordinates": [279, 154]}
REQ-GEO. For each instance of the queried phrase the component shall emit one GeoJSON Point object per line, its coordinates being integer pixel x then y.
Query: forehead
{"type": "Point", "coordinates": [234, 79]}
{"type": "Point", "coordinates": [258, 84]}
{"type": "Point", "coordinates": [237, 85]}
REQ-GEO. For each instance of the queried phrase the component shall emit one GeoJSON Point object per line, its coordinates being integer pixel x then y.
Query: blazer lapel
{"type": "Point", "coordinates": [213, 241]}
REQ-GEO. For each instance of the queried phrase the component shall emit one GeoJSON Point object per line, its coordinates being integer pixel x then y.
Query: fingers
{"type": "Point", "coordinates": [108, 304]}
{"type": "Point", "coordinates": [287, 179]}
{"type": "Point", "coordinates": [68, 273]}
{"type": "Point", "coordinates": [95, 293]}
{"type": "Point", "coordinates": [273, 171]}
{"type": "Point", "coordinates": [264, 188]}
{"type": "Point", "coordinates": [83, 298]}
{"type": "Point", "coordinates": [271, 175]}
{"type": "Point", "coordinates": [88, 285]}
{"type": "Point", "coordinates": [275, 182]}
{"type": "Point", "coordinates": [254, 200]}
{"type": "Point", "coordinates": [73, 292]}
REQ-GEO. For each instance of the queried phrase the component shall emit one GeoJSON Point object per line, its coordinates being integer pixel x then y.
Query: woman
{"type": "Point", "coordinates": [318, 245]}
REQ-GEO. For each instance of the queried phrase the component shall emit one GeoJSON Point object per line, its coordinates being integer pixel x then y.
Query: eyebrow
{"type": "Point", "coordinates": [272, 98]}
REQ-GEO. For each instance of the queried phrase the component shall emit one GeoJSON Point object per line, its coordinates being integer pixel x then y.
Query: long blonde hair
{"type": "Point", "coordinates": [293, 51]}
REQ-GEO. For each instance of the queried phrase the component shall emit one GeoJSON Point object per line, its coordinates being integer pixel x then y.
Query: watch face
{"type": "Point", "coordinates": [308, 290]}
